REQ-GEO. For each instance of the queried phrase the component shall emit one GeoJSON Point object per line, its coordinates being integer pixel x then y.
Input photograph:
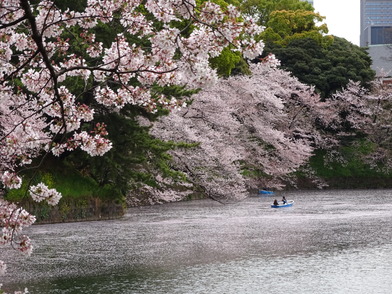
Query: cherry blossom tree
{"type": "Point", "coordinates": [350, 111]}
{"type": "Point", "coordinates": [356, 122]}
{"type": "Point", "coordinates": [380, 129]}
{"type": "Point", "coordinates": [251, 131]}
{"type": "Point", "coordinates": [44, 51]}
{"type": "Point", "coordinates": [365, 114]}
{"type": "Point", "coordinates": [254, 131]}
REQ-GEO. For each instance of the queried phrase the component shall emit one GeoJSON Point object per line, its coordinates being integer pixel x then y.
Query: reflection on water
{"type": "Point", "coordinates": [328, 242]}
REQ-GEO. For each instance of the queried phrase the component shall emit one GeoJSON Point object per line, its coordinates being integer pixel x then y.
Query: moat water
{"type": "Point", "coordinates": [329, 242]}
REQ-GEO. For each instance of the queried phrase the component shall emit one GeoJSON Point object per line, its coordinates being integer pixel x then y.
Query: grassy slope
{"type": "Point", "coordinates": [82, 197]}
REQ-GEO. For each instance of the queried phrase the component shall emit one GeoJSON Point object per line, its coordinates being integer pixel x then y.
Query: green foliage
{"type": "Point", "coordinates": [264, 8]}
{"type": "Point", "coordinates": [284, 26]}
{"type": "Point", "coordinates": [328, 69]}
{"type": "Point", "coordinates": [228, 61]}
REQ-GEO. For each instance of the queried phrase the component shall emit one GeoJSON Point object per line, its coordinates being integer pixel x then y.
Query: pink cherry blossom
{"type": "Point", "coordinates": [39, 114]}
{"type": "Point", "coordinates": [42, 192]}
{"type": "Point", "coordinates": [244, 123]}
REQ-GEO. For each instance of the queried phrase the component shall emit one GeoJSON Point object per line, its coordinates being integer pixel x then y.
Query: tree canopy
{"type": "Point", "coordinates": [328, 69]}
{"type": "Point", "coordinates": [284, 26]}
{"type": "Point", "coordinates": [263, 8]}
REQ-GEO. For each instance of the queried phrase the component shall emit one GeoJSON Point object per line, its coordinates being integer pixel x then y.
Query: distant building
{"type": "Point", "coordinates": [376, 22]}
{"type": "Point", "coordinates": [376, 34]}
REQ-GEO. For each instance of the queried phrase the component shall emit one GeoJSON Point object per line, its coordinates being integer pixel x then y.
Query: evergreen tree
{"type": "Point", "coordinates": [328, 69]}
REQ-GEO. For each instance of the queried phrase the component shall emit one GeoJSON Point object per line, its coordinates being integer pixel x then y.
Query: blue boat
{"type": "Point", "coordinates": [266, 192]}
{"type": "Point", "coordinates": [281, 204]}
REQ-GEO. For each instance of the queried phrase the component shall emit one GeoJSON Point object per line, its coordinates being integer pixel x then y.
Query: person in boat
{"type": "Point", "coordinates": [276, 202]}
{"type": "Point", "coordinates": [284, 200]}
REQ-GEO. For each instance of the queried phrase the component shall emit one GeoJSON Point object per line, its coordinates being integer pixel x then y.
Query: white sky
{"type": "Point", "coordinates": [342, 17]}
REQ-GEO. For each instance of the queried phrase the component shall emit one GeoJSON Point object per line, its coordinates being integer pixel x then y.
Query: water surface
{"type": "Point", "coordinates": [328, 242]}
